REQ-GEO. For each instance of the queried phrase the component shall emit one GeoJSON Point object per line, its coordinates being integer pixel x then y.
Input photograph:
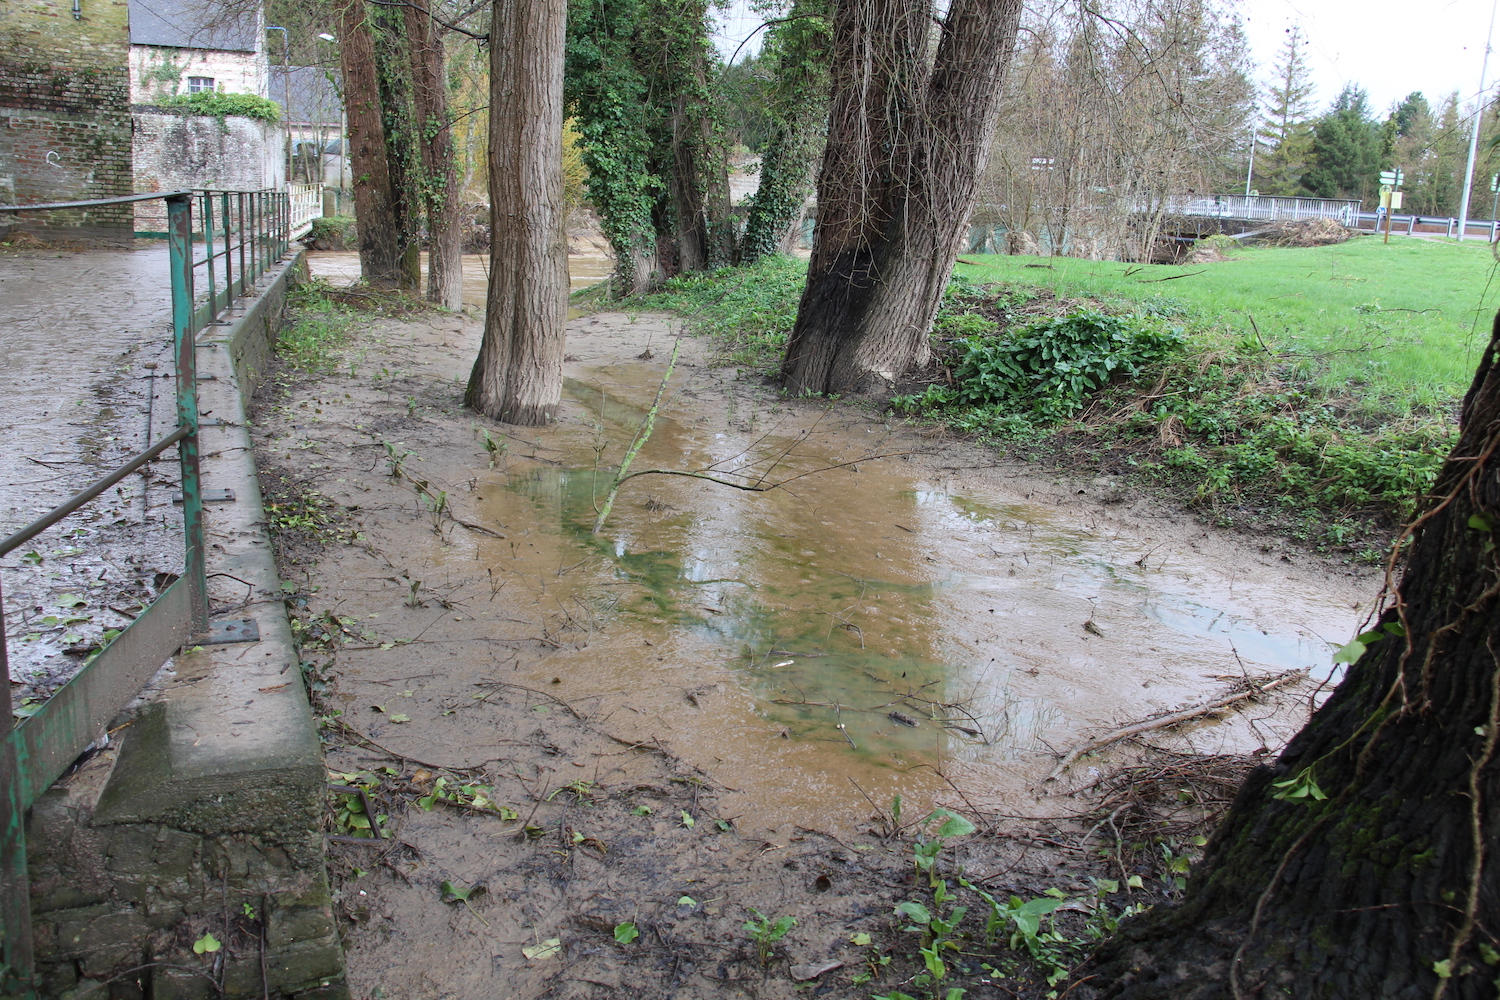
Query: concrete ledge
{"type": "Point", "coordinates": [211, 815]}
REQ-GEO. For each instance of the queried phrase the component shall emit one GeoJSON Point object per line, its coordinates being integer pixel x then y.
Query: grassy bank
{"type": "Point", "coordinates": [1310, 391]}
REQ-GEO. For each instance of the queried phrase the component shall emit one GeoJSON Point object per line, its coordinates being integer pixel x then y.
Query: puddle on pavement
{"type": "Point", "coordinates": [865, 624]}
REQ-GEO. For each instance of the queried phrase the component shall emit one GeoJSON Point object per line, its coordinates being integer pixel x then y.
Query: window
{"type": "Point", "coordinates": [200, 84]}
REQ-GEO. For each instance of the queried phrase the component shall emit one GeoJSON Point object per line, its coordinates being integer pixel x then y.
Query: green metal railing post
{"type": "Point", "coordinates": [239, 205]}
{"type": "Point", "coordinates": [179, 241]}
{"type": "Point", "coordinates": [208, 253]}
{"type": "Point", "coordinates": [15, 893]}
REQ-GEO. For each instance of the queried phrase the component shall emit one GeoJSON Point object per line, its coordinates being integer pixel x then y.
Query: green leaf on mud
{"type": "Point", "coordinates": [626, 932]}
{"type": "Point", "coordinates": [207, 944]}
{"type": "Point", "coordinates": [915, 912]}
{"type": "Point", "coordinates": [687, 820]}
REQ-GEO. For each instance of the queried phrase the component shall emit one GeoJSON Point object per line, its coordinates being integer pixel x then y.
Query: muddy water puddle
{"type": "Point", "coordinates": [342, 268]}
{"type": "Point", "coordinates": [880, 627]}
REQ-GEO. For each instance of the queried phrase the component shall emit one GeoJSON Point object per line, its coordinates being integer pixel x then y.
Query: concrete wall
{"type": "Point", "coordinates": [174, 151]}
{"type": "Point", "coordinates": [65, 112]}
{"type": "Point", "coordinates": [161, 71]}
{"type": "Point", "coordinates": [192, 821]}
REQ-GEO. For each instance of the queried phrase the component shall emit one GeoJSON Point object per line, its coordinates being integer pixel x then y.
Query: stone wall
{"type": "Point", "coordinates": [65, 131]}
{"type": "Point", "coordinates": [161, 71]}
{"type": "Point", "coordinates": [176, 151]}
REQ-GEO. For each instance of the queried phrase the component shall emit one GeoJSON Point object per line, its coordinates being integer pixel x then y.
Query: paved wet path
{"type": "Point", "coordinates": [85, 352]}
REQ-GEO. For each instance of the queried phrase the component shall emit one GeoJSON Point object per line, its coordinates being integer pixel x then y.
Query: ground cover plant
{"type": "Point", "coordinates": [1312, 391]}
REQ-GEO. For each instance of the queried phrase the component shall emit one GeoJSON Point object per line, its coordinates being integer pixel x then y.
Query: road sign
{"type": "Point", "coordinates": [1495, 183]}
{"type": "Point", "coordinates": [1392, 178]}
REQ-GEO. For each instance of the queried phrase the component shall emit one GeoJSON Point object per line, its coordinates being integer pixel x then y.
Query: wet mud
{"type": "Point", "coordinates": [698, 710]}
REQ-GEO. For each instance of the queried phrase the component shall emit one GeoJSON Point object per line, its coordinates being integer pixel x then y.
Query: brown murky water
{"type": "Point", "coordinates": [888, 625]}
{"type": "Point", "coordinates": [342, 268]}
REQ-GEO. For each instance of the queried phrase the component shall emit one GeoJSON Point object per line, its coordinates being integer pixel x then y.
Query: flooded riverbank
{"type": "Point", "coordinates": [341, 267]}
{"type": "Point", "coordinates": [901, 614]}
{"type": "Point", "coordinates": [713, 703]}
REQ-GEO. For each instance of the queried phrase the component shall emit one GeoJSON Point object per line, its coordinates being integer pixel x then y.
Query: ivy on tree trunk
{"type": "Point", "coordinates": [641, 85]}
{"type": "Point", "coordinates": [796, 53]}
{"type": "Point", "coordinates": [379, 232]}
{"type": "Point", "coordinates": [439, 189]}
{"type": "Point", "coordinates": [1362, 863]}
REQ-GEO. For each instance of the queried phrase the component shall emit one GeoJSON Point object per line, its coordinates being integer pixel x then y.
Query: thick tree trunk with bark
{"type": "Point", "coordinates": [393, 65]}
{"type": "Point", "coordinates": [379, 233]}
{"type": "Point", "coordinates": [435, 140]}
{"type": "Point", "coordinates": [1388, 888]}
{"type": "Point", "coordinates": [518, 375]}
{"type": "Point", "coordinates": [906, 147]}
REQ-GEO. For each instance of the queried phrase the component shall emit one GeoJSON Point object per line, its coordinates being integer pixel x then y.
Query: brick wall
{"type": "Point", "coordinates": [65, 129]}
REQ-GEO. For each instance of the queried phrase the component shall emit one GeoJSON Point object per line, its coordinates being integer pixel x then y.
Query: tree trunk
{"type": "Point", "coordinates": [379, 235]}
{"type": "Point", "coordinates": [1388, 888]}
{"type": "Point", "coordinates": [393, 65]}
{"type": "Point", "coordinates": [518, 375]}
{"type": "Point", "coordinates": [906, 146]}
{"type": "Point", "coordinates": [799, 105]}
{"type": "Point", "coordinates": [435, 140]}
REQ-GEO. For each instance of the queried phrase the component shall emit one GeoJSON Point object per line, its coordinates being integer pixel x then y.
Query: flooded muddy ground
{"type": "Point", "coordinates": [341, 267]}
{"type": "Point", "coordinates": [711, 705]}
{"type": "Point", "coordinates": [86, 348]}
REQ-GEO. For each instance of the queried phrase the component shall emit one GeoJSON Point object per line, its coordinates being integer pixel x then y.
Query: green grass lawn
{"type": "Point", "coordinates": [1310, 391]}
{"type": "Point", "coordinates": [1401, 324]}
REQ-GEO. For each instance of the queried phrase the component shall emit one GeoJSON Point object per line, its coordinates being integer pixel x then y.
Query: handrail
{"type": "Point", "coordinates": [35, 752]}
{"type": "Point", "coordinates": [123, 199]}
{"type": "Point", "coordinates": [61, 511]}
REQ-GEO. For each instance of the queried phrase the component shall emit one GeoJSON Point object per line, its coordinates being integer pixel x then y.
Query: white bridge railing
{"type": "Point", "coordinates": [1259, 208]}
{"type": "Point", "coordinates": [306, 205]}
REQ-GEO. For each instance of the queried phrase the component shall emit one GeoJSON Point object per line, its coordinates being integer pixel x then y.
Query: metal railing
{"type": "Point", "coordinates": [1258, 208]}
{"type": "Point", "coordinates": [239, 245]}
{"type": "Point", "coordinates": [306, 205]}
{"type": "Point", "coordinates": [1372, 222]}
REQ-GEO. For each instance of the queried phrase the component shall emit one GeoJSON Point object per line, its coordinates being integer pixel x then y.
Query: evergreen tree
{"type": "Point", "coordinates": [1287, 127]}
{"type": "Point", "coordinates": [1348, 149]}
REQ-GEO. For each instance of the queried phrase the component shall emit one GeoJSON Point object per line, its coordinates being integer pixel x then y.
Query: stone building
{"type": "Point", "coordinates": [65, 126]}
{"type": "Point", "coordinates": [190, 46]}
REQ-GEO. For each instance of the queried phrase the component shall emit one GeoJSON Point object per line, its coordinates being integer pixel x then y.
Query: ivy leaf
{"type": "Point", "coordinates": [1351, 653]}
{"type": "Point", "coordinates": [626, 932]}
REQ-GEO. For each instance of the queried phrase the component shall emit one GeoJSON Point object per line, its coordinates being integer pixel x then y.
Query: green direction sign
{"type": "Point", "coordinates": [1392, 178]}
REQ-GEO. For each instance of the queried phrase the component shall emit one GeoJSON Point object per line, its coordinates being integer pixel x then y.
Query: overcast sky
{"type": "Point", "coordinates": [1389, 48]}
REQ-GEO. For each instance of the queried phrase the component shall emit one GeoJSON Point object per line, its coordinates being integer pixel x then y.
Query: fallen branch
{"type": "Point", "coordinates": [1172, 719]}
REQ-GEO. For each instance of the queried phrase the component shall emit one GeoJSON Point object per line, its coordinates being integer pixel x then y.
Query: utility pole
{"type": "Point", "coordinates": [1250, 173]}
{"type": "Point", "coordinates": [1484, 65]}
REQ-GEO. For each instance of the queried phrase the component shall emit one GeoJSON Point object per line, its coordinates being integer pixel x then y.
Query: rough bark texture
{"type": "Point", "coordinates": [379, 235]}
{"type": "Point", "coordinates": [440, 179]}
{"type": "Point", "coordinates": [906, 146]}
{"type": "Point", "coordinates": [1391, 880]}
{"type": "Point", "coordinates": [393, 65]}
{"type": "Point", "coordinates": [518, 375]}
